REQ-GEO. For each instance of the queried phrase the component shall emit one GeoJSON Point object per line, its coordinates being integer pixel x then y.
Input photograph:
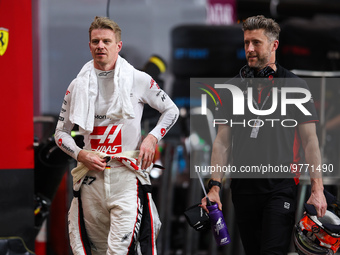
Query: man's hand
{"type": "Point", "coordinates": [317, 198]}
{"type": "Point", "coordinates": [214, 197]}
{"type": "Point", "coordinates": [91, 161]}
{"type": "Point", "coordinates": [147, 151]}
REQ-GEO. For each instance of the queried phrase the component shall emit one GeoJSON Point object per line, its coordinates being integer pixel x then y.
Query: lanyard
{"type": "Point", "coordinates": [256, 128]}
{"type": "Point", "coordinates": [264, 102]}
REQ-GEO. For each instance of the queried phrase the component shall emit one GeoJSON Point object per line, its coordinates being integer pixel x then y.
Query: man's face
{"type": "Point", "coordinates": [259, 50]}
{"type": "Point", "coordinates": [104, 48]}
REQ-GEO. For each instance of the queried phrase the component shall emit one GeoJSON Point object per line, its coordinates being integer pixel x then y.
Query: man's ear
{"type": "Point", "coordinates": [120, 45]}
{"type": "Point", "coordinates": [275, 45]}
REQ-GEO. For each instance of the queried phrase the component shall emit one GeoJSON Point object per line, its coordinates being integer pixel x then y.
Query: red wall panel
{"type": "Point", "coordinates": [16, 82]}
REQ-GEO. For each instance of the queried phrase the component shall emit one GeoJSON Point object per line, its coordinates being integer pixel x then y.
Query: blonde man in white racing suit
{"type": "Point", "coordinates": [112, 212]}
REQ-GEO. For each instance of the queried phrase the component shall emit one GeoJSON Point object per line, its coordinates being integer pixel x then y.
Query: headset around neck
{"type": "Point", "coordinates": [248, 72]}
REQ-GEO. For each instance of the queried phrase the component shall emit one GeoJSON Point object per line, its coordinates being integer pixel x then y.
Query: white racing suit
{"type": "Point", "coordinates": [125, 222]}
{"type": "Point", "coordinates": [113, 201]}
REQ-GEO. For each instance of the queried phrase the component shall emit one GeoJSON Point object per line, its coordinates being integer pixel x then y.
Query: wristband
{"type": "Point", "coordinates": [214, 183]}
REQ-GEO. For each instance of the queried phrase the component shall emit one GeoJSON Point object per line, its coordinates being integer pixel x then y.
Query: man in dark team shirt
{"type": "Point", "coordinates": [265, 204]}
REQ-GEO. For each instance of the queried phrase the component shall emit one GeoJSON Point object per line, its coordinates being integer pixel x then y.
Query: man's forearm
{"type": "Point", "coordinates": [310, 145]}
{"type": "Point", "coordinates": [313, 160]}
{"type": "Point", "coordinates": [220, 157]}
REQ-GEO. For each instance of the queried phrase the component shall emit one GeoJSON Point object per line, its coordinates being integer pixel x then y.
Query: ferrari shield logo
{"type": "Point", "coordinates": [3, 40]}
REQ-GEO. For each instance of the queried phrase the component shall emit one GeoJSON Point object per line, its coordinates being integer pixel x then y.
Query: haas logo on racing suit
{"type": "Point", "coordinates": [107, 139]}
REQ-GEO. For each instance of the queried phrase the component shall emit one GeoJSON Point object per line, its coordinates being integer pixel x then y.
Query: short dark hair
{"type": "Point", "coordinates": [106, 23]}
{"type": "Point", "coordinates": [271, 28]}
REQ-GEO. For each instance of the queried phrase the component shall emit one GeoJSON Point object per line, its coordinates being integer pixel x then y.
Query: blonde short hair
{"type": "Point", "coordinates": [106, 23]}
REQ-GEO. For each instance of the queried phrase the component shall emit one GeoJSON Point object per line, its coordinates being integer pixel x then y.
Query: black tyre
{"type": "Point", "coordinates": [207, 51]}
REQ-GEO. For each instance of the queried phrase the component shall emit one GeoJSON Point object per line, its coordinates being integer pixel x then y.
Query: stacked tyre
{"type": "Point", "coordinates": [310, 44]}
{"type": "Point", "coordinates": [204, 51]}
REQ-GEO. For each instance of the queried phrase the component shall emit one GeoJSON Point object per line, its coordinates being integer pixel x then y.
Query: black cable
{"type": "Point", "coordinates": [107, 9]}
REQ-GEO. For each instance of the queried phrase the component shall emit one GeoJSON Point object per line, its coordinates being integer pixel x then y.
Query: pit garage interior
{"type": "Point", "coordinates": [44, 43]}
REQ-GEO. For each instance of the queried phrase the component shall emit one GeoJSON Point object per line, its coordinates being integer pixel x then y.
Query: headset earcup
{"type": "Point", "coordinates": [265, 72]}
{"type": "Point", "coordinates": [247, 72]}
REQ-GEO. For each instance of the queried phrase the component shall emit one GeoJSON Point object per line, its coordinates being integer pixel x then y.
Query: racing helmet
{"type": "Point", "coordinates": [313, 235]}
